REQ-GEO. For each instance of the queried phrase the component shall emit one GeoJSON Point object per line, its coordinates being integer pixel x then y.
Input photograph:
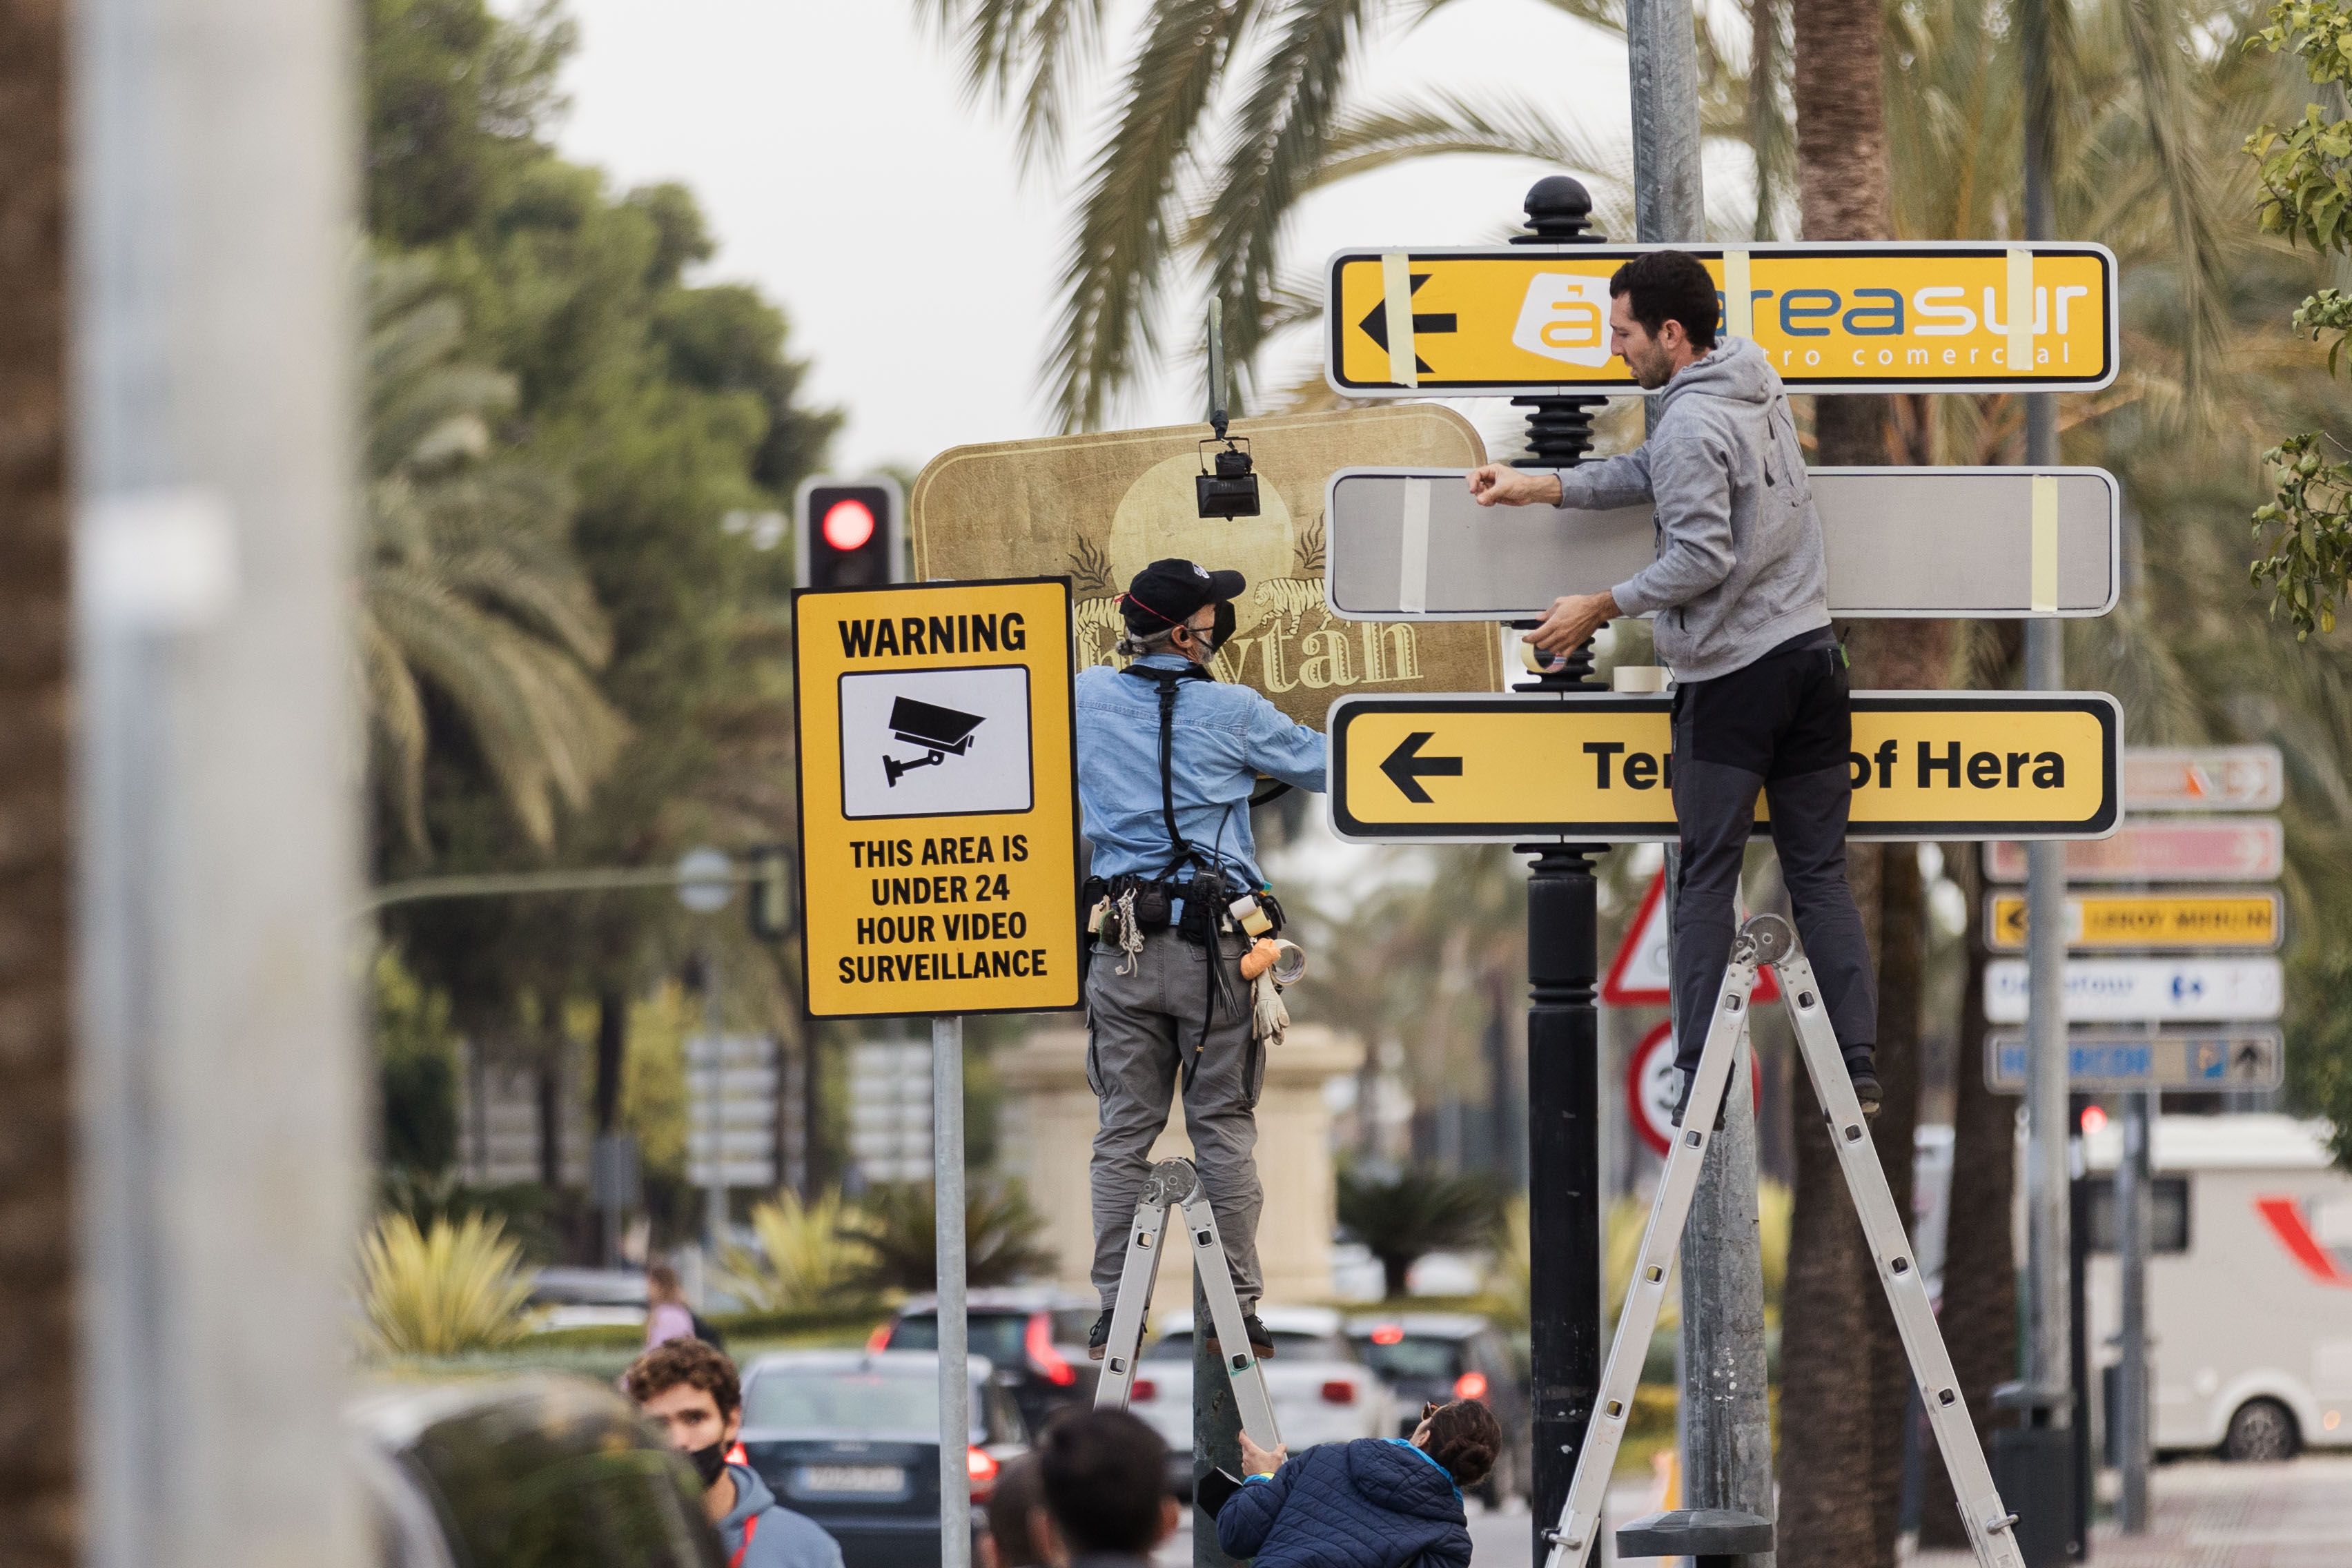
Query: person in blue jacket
{"type": "Point", "coordinates": [1376, 1502]}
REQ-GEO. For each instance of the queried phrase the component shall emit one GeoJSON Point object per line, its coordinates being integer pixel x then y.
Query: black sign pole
{"type": "Point", "coordinates": [1563, 1027]}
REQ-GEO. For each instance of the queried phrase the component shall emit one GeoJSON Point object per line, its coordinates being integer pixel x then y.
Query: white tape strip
{"type": "Point", "coordinates": [1738, 299]}
{"type": "Point", "coordinates": [1396, 287]}
{"type": "Point", "coordinates": [2042, 597]}
{"type": "Point", "coordinates": [2020, 311]}
{"type": "Point", "coordinates": [1412, 557]}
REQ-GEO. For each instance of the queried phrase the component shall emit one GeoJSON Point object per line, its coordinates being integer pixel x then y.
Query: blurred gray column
{"type": "Point", "coordinates": [218, 771]}
{"type": "Point", "coordinates": [2133, 1192]}
{"type": "Point", "coordinates": [948, 1207]}
{"type": "Point", "coordinates": [1727, 1437]}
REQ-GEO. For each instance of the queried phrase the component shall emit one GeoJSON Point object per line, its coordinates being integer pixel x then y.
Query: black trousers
{"type": "Point", "coordinates": [1782, 727]}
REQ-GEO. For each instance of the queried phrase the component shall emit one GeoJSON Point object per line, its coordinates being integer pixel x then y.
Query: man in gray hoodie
{"type": "Point", "coordinates": [1739, 591]}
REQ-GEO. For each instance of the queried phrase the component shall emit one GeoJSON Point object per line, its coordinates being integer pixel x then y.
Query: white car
{"type": "Point", "coordinates": [1321, 1392]}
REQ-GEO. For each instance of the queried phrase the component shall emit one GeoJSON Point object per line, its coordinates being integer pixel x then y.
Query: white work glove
{"type": "Point", "coordinates": [1269, 1017]}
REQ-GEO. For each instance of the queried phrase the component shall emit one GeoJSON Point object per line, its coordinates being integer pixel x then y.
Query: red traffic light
{"type": "Point", "coordinates": [848, 523]}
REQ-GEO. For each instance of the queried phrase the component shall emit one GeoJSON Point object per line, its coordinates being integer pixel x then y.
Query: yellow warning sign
{"type": "Point", "coordinates": [1830, 318]}
{"type": "Point", "coordinates": [1599, 766]}
{"type": "Point", "coordinates": [939, 799]}
{"type": "Point", "coordinates": [2160, 921]}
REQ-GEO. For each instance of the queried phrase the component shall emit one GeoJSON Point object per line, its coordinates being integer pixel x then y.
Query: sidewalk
{"type": "Point", "coordinates": [2207, 1514]}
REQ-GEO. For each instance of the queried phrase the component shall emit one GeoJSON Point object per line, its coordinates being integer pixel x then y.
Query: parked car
{"type": "Point", "coordinates": [1036, 1337]}
{"type": "Point", "coordinates": [588, 1298]}
{"type": "Point", "coordinates": [1321, 1392]}
{"type": "Point", "coordinates": [851, 1438]}
{"type": "Point", "coordinates": [543, 1472]}
{"type": "Point", "coordinates": [1441, 1356]}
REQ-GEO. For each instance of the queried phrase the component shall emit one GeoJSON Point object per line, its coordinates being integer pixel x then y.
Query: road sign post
{"type": "Point", "coordinates": [1564, 1235]}
{"type": "Point", "coordinates": [1861, 317]}
{"type": "Point", "coordinates": [1408, 543]}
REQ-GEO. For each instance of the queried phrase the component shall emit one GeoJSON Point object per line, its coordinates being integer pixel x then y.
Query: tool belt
{"type": "Point", "coordinates": [1107, 907]}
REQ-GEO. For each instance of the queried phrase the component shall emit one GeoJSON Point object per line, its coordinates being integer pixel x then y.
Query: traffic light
{"type": "Point", "coordinates": [849, 532]}
{"type": "Point", "coordinates": [771, 889]}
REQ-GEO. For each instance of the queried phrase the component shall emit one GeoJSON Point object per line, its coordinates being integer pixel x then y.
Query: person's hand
{"type": "Point", "coordinates": [1257, 1461]}
{"type": "Point", "coordinates": [1500, 484]}
{"type": "Point", "coordinates": [1573, 620]}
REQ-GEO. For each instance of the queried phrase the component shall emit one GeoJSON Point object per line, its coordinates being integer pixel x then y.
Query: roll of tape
{"type": "Point", "coordinates": [1289, 963]}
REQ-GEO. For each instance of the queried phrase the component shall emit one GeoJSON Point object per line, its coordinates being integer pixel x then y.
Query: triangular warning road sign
{"type": "Point", "coordinates": [1638, 975]}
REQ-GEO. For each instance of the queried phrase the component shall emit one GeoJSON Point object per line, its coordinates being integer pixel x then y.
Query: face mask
{"type": "Point", "coordinates": [709, 1462]}
{"type": "Point", "coordinates": [1221, 632]}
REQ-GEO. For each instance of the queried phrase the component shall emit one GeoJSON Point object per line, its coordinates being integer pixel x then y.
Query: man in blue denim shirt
{"type": "Point", "coordinates": [1156, 1011]}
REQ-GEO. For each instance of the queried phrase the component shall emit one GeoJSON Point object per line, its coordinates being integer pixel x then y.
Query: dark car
{"type": "Point", "coordinates": [1440, 1356]}
{"type": "Point", "coordinates": [525, 1473]}
{"type": "Point", "coordinates": [851, 1438]}
{"type": "Point", "coordinates": [1036, 1337]}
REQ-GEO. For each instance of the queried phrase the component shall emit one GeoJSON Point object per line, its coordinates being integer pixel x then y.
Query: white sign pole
{"type": "Point", "coordinates": [955, 1380]}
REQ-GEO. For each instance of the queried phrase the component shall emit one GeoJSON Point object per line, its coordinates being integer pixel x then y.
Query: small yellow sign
{"type": "Point", "coordinates": [2157, 921]}
{"type": "Point", "coordinates": [939, 799]}
{"type": "Point", "coordinates": [1830, 318]}
{"type": "Point", "coordinates": [1599, 766]}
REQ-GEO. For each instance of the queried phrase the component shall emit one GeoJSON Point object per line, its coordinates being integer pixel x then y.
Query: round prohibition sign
{"type": "Point", "coordinates": [1652, 1084]}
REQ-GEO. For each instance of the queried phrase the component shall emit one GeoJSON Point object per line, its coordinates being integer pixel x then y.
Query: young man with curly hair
{"type": "Point", "coordinates": [1376, 1502]}
{"type": "Point", "coordinates": [690, 1390]}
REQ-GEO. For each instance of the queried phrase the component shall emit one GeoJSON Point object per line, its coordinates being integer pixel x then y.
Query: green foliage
{"type": "Point", "coordinates": [469, 588]}
{"type": "Point", "coordinates": [416, 1070]}
{"type": "Point", "coordinates": [444, 1289]}
{"type": "Point", "coordinates": [2319, 1043]}
{"type": "Point", "coordinates": [898, 1225]}
{"type": "Point", "coordinates": [807, 1261]}
{"type": "Point", "coordinates": [2306, 171]}
{"type": "Point", "coordinates": [522, 1210]}
{"type": "Point", "coordinates": [2312, 557]}
{"type": "Point", "coordinates": [1417, 1211]}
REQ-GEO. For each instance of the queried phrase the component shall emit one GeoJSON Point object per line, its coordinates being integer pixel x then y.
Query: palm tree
{"type": "Point", "coordinates": [469, 594]}
{"type": "Point", "coordinates": [39, 1508]}
{"type": "Point", "coordinates": [1403, 1217]}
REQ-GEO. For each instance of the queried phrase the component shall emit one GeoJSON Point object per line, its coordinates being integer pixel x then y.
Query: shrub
{"type": "Point", "coordinates": [1403, 1217]}
{"type": "Point", "coordinates": [445, 1289]}
{"type": "Point", "coordinates": [805, 1260]}
{"type": "Point", "coordinates": [899, 1227]}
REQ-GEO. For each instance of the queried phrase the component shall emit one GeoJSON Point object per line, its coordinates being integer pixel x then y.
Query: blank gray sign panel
{"type": "Point", "coordinates": [1406, 544]}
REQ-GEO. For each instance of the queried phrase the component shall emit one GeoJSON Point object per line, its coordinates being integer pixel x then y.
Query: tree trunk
{"type": "Point", "coordinates": [1902, 953]}
{"type": "Point", "coordinates": [1979, 1314]}
{"type": "Point", "coordinates": [37, 1506]}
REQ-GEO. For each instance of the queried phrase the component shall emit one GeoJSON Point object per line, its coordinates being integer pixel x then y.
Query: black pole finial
{"type": "Point", "coordinates": [1559, 209]}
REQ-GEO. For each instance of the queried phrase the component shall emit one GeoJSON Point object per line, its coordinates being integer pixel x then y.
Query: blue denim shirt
{"type": "Point", "coordinates": [1223, 737]}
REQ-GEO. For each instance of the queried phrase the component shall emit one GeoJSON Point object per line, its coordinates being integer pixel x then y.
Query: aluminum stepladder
{"type": "Point", "coordinates": [1172, 1186]}
{"type": "Point", "coordinates": [1771, 940]}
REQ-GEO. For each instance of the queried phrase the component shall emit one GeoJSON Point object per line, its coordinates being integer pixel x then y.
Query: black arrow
{"type": "Point", "coordinates": [1376, 325]}
{"type": "Point", "coordinates": [1406, 767]}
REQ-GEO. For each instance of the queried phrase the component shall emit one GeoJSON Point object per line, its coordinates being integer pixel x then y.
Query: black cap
{"type": "Point", "coordinates": [1170, 593]}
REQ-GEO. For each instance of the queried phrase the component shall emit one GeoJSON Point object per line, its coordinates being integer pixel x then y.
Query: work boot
{"type": "Point", "coordinates": [1099, 1337]}
{"type": "Point", "coordinates": [1862, 1066]}
{"type": "Point", "coordinates": [1261, 1343]}
{"type": "Point", "coordinates": [1682, 1102]}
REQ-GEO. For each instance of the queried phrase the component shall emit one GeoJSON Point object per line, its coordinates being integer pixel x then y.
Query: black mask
{"type": "Point", "coordinates": [709, 1462]}
{"type": "Point", "coordinates": [1221, 632]}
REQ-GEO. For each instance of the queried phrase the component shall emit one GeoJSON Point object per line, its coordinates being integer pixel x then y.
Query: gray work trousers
{"type": "Point", "coordinates": [1782, 727]}
{"type": "Point", "coordinates": [1141, 1028]}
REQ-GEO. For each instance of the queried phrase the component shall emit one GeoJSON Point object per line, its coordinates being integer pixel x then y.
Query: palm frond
{"type": "Point", "coordinates": [1113, 280]}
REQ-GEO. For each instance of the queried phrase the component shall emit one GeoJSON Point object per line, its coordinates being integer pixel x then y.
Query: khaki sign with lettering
{"type": "Point", "coordinates": [1598, 767]}
{"type": "Point", "coordinates": [938, 800]}
{"type": "Point", "coordinates": [1903, 316]}
{"type": "Point", "coordinates": [1099, 508]}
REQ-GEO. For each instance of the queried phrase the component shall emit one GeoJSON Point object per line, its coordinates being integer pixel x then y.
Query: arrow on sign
{"type": "Point", "coordinates": [1406, 767]}
{"type": "Point", "coordinates": [2008, 923]}
{"type": "Point", "coordinates": [1376, 324]}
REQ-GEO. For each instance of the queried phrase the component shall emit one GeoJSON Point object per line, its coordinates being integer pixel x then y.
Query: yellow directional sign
{"type": "Point", "coordinates": [939, 799]}
{"type": "Point", "coordinates": [1899, 317]}
{"type": "Point", "coordinates": [1596, 766]}
{"type": "Point", "coordinates": [2172, 921]}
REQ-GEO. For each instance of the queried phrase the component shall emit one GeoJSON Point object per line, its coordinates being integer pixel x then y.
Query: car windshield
{"type": "Point", "coordinates": [1295, 1347]}
{"type": "Point", "coordinates": [847, 1400]}
{"type": "Point", "coordinates": [1414, 1356]}
{"type": "Point", "coordinates": [996, 1335]}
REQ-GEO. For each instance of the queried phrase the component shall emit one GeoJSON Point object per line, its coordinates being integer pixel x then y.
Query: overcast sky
{"type": "Point", "coordinates": [844, 173]}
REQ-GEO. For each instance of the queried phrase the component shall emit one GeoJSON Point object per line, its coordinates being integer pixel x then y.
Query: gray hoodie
{"type": "Point", "coordinates": [781, 1539]}
{"type": "Point", "coordinates": [1740, 568]}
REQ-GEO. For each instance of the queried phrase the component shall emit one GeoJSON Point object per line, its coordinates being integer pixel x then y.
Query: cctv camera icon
{"type": "Point", "coordinates": [940, 733]}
